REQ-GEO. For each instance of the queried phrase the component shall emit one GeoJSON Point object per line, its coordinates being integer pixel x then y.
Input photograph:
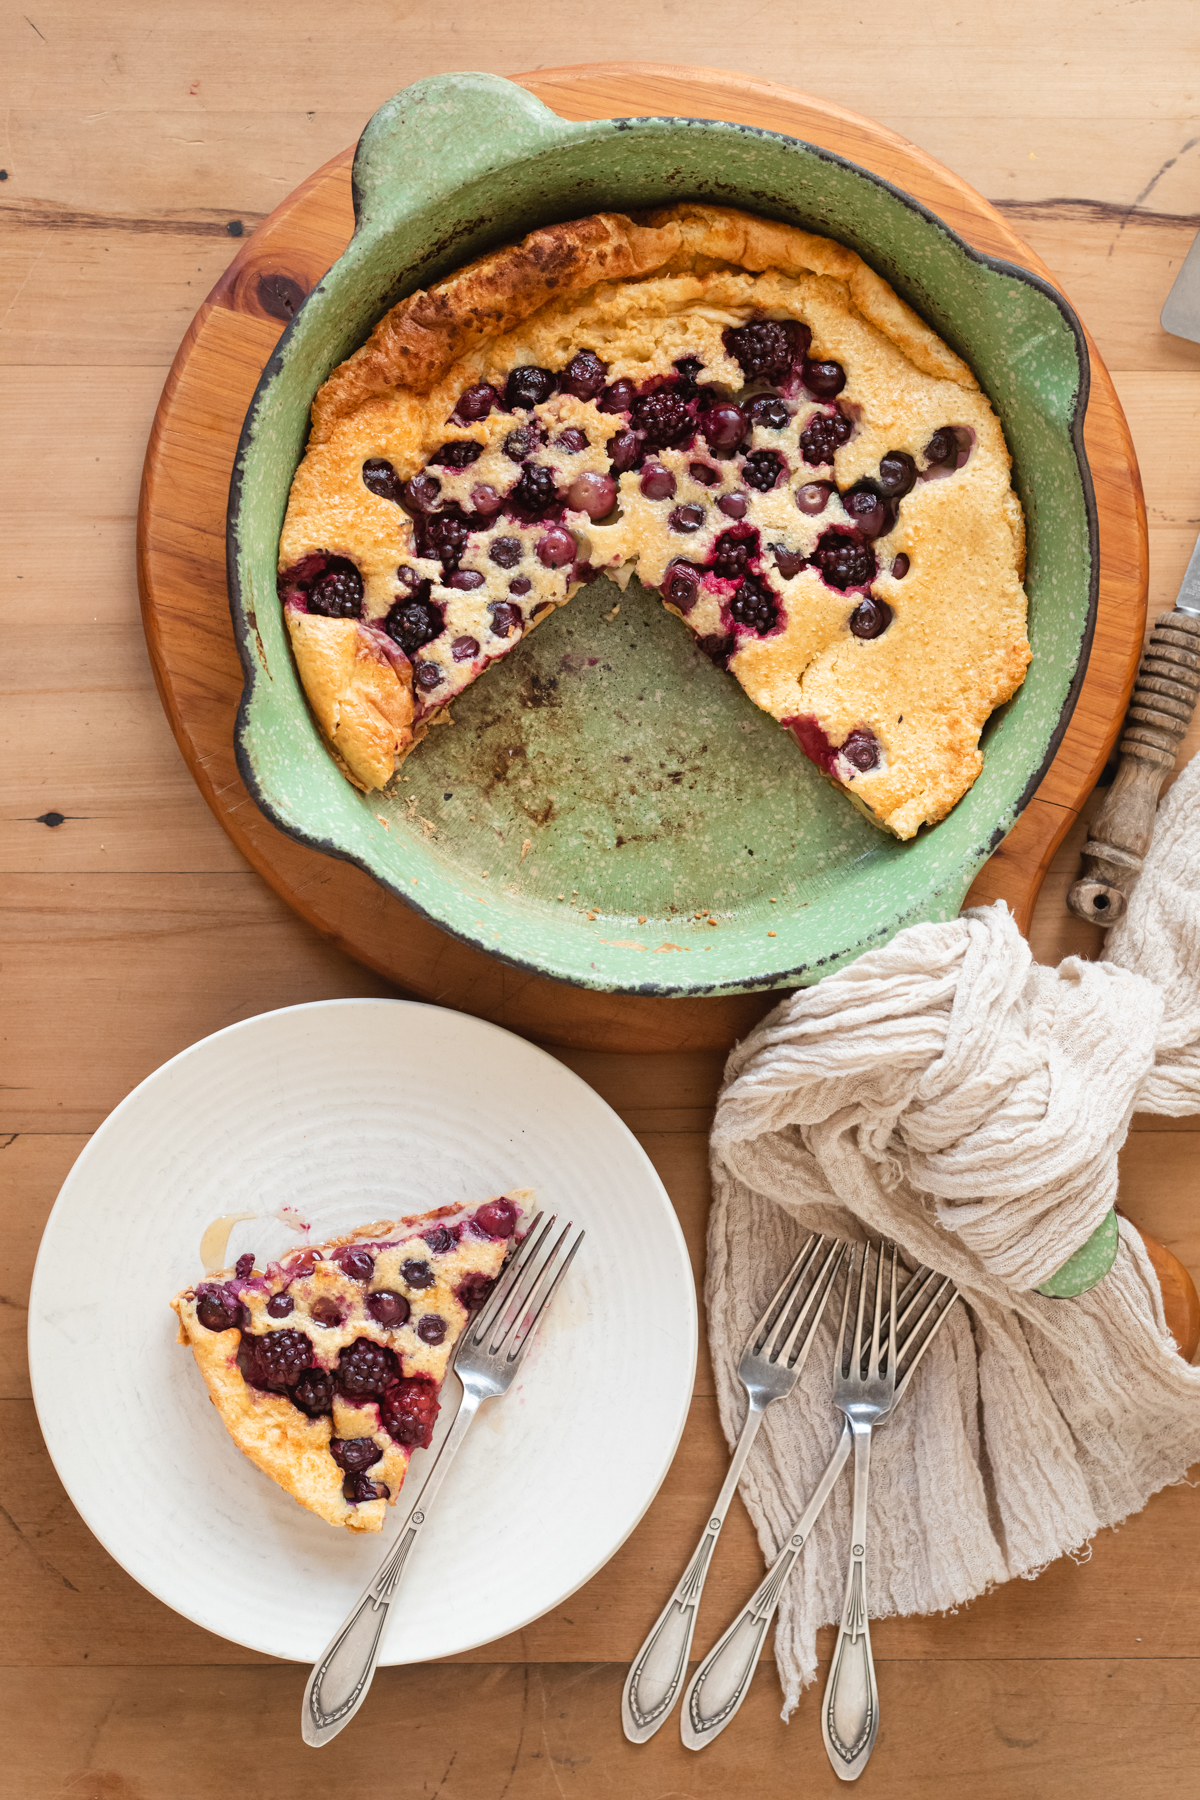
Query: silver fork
{"type": "Point", "coordinates": [770, 1366]}
{"type": "Point", "coordinates": [488, 1356]}
{"type": "Point", "coordinates": [722, 1681]}
{"type": "Point", "coordinates": [850, 1710]}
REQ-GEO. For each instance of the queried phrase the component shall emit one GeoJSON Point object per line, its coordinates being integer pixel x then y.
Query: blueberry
{"type": "Point", "coordinates": [871, 514]}
{"type": "Point", "coordinates": [432, 1329]}
{"type": "Point", "coordinates": [556, 548]}
{"type": "Point", "coordinates": [594, 495]}
{"type": "Point", "coordinates": [519, 444]}
{"type": "Point", "coordinates": [861, 750]}
{"type": "Point", "coordinates": [943, 446]}
{"type": "Point", "coordinates": [387, 1307]}
{"type": "Point", "coordinates": [871, 617]}
{"type": "Point", "coordinates": [788, 562]}
{"type": "Point", "coordinates": [440, 1239]}
{"type": "Point", "coordinates": [824, 379]}
{"type": "Point", "coordinates": [724, 425]}
{"type": "Point", "coordinates": [704, 473]}
{"type": "Point", "coordinates": [279, 1306]}
{"type": "Point", "coordinates": [460, 453]}
{"type": "Point", "coordinates": [619, 397]}
{"type": "Point", "coordinates": [583, 375]}
{"type": "Point", "coordinates": [465, 580]}
{"type": "Point", "coordinates": [897, 473]}
{"type": "Point", "coordinates": [900, 567]}
{"type": "Point", "coordinates": [657, 483]}
{"type": "Point", "coordinates": [417, 1274]}
{"type": "Point", "coordinates": [572, 440]}
{"type": "Point", "coordinates": [527, 387]}
{"type": "Point", "coordinates": [359, 1265]}
{"type": "Point", "coordinates": [464, 649]}
{"type": "Point", "coordinates": [682, 586]}
{"type": "Point", "coordinates": [477, 401]}
{"type": "Point", "coordinates": [327, 1313]}
{"type": "Point", "coordinates": [381, 478]}
{"type": "Point", "coordinates": [769, 411]}
{"type": "Point", "coordinates": [686, 518]}
{"type": "Point", "coordinates": [216, 1308]}
{"type": "Point", "coordinates": [814, 497]}
{"type": "Point", "coordinates": [734, 506]}
{"type": "Point", "coordinates": [624, 450]}
{"type": "Point", "coordinates": [420, 494]}
{"type": "Point", "coordinates": [243, 1268]}
{"type": "Point", "coordinates": [427, 676]}
{"type": "Point", "coordinates": [498, 1218]}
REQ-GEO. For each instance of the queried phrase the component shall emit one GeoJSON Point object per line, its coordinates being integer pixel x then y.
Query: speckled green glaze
{"type": "Point", "coordinates": [1090, 1263]}
{"type": "Point", "coordinates": [605, 784]}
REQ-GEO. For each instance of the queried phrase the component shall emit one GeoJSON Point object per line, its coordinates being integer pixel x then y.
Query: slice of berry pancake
{"type": "Point", "coordinates": [326, 1366]}
{"type": "Point", "coordinates": [742, 413]}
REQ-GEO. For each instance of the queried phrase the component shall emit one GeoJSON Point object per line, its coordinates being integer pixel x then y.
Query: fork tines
{"type": "Point", "coordinates": [909, 1319]}
{"type": "Point", "coordinates": [807, 1282]}
{"type": "Point", "coordinates": [523, 1290]}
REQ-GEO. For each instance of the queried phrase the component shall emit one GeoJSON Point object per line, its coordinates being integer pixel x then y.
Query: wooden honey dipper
{"type": "Point", "coordinates": [1160, 711]}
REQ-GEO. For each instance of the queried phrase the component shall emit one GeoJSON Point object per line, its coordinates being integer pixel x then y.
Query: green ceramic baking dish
{"type": "Point", "coordinates": [605, 785]}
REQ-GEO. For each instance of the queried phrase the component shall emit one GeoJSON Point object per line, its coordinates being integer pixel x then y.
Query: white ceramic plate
{"type": "Point", "coordinates": [352, 1110]}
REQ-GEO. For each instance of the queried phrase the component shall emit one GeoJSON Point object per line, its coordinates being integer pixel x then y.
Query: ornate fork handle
{"type": "Point", "coordinates": [339, 1682]}
{"type": "Point", "coordinates": [850, 1712]}
{"type": "Point", "coordinates": [661, 1663]}
{"type": "Point", "coordinates": [722, 1681]}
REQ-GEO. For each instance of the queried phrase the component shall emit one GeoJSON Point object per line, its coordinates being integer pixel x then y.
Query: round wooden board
{"type": "Point", "coordinates": [181, 569]}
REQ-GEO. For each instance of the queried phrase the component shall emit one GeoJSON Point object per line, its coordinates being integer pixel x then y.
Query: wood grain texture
{"type": "Point", "coordinates": [133, 136]}
{"type": "Point", "coordinates": [181, 554]}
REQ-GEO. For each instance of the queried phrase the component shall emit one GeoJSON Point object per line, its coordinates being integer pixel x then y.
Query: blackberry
{"type": "Point", "coordinates": [769, 411]}
{"type": "Point", "coordinates": [521, 443]}
{"type": "Point", "coordinates": [380, 478]}
{"type": "Point", "coordinates": [505, 552]}
{"type": "Point", "coordinates": [663, 416]}
{"type": "Point", "coordinates": [443, 535]}
{"type": "Point", "coordinates": [527, 387]}
{"type": "Point", "coordinates": [313, 1393]}
{"type": "Point", "coordinates": [824, 433]}
{"type": "Point", "coordinates": [460, 453]}
{"type": "Point", "coordinates": [733, 554]}
{"type": "Point", "coordinates": [365, 1368]}
{"type": "Point", "coordinates": [754, 605]}
{"type": "Point", "coordinates": [411, 623]}
{"type": "Point", "coordinates": [243, 1268]}
{"type": "Point", "coordinates": [276, 1360]}
{"type": "Point", "coordinates": [583, 375]}
{"type": "Point", "coordinates": [767, 348]}
{"type": "Point", "coordinates": [718, 649]}
{"type": "Point", "coordinates": [763, 469]}
{"type": "Point", "coordinates": [338, 593]}
{"type": "Point", "coordinates": [535, 493]}
{"type": "Point", "coordinates": [843, 561]}
{"type": "Point", "coordinates": [409, 1409]}
{"type": "Point", "coordinates": [280, 1305]}
{"type": "Point", "coordinates": [353, 1455]}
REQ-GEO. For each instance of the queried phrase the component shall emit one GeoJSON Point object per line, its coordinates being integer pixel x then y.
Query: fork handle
{"type": "Point", "coordinates": [657, 1670]}
{"type": "Point", "coordinates": [850, 1712]}
{"type": "Point", "coordinates": [722, 1681]}
{"type": "Point", "coordinates": [342, 1677]}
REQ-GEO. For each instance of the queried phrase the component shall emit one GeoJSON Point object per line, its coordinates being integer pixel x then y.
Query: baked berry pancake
{"type": "Point", "coordinates": [739, 412]}
{"type": "Point", "coordinates": [327, 1365]}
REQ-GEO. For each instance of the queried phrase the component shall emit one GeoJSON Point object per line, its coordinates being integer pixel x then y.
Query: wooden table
{"type": "Point", "coordinates": [140, 142]}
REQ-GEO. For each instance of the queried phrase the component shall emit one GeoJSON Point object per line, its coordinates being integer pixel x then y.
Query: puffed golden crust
{"type": "Point", "coordinates": [359, 686]}
{"type": "Point", "coordinates": [286, 1444]}
{"type": "Point", "coordinates": [643, 294]}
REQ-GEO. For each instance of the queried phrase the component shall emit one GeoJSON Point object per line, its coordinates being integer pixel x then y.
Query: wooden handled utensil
{"type": "Point", "coordinates": [1160, 711]}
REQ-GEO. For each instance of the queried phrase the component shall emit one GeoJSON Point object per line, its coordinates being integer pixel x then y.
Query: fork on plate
{"type": "Point", "coordinates": [770, 1366]}
{"type": "Point", "coordinates": [722, 1681]}
{"type": "Point", "coordinates": [486, 1360]}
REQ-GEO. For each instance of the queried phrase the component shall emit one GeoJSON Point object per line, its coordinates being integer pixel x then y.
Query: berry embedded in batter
{"type": "Point", "coordinates": [351, 1382]}
{"type": "Point", "coordinates": [746, 439]}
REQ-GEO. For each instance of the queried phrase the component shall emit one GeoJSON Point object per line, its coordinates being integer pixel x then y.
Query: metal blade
{"type": "Point", "coordinates": [1189, 589]}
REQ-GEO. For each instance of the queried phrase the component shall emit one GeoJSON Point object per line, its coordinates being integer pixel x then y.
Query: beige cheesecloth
{"type": "Point", "coordinates": [948, 1092]}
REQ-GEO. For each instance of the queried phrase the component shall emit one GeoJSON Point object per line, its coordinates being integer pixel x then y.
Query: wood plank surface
{"type": "Point", "coordinates": [134, 135]}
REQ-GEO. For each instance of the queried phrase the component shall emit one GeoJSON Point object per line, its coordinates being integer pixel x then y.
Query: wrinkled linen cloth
{"type": "Point", "coordinates": [948, 1092]}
